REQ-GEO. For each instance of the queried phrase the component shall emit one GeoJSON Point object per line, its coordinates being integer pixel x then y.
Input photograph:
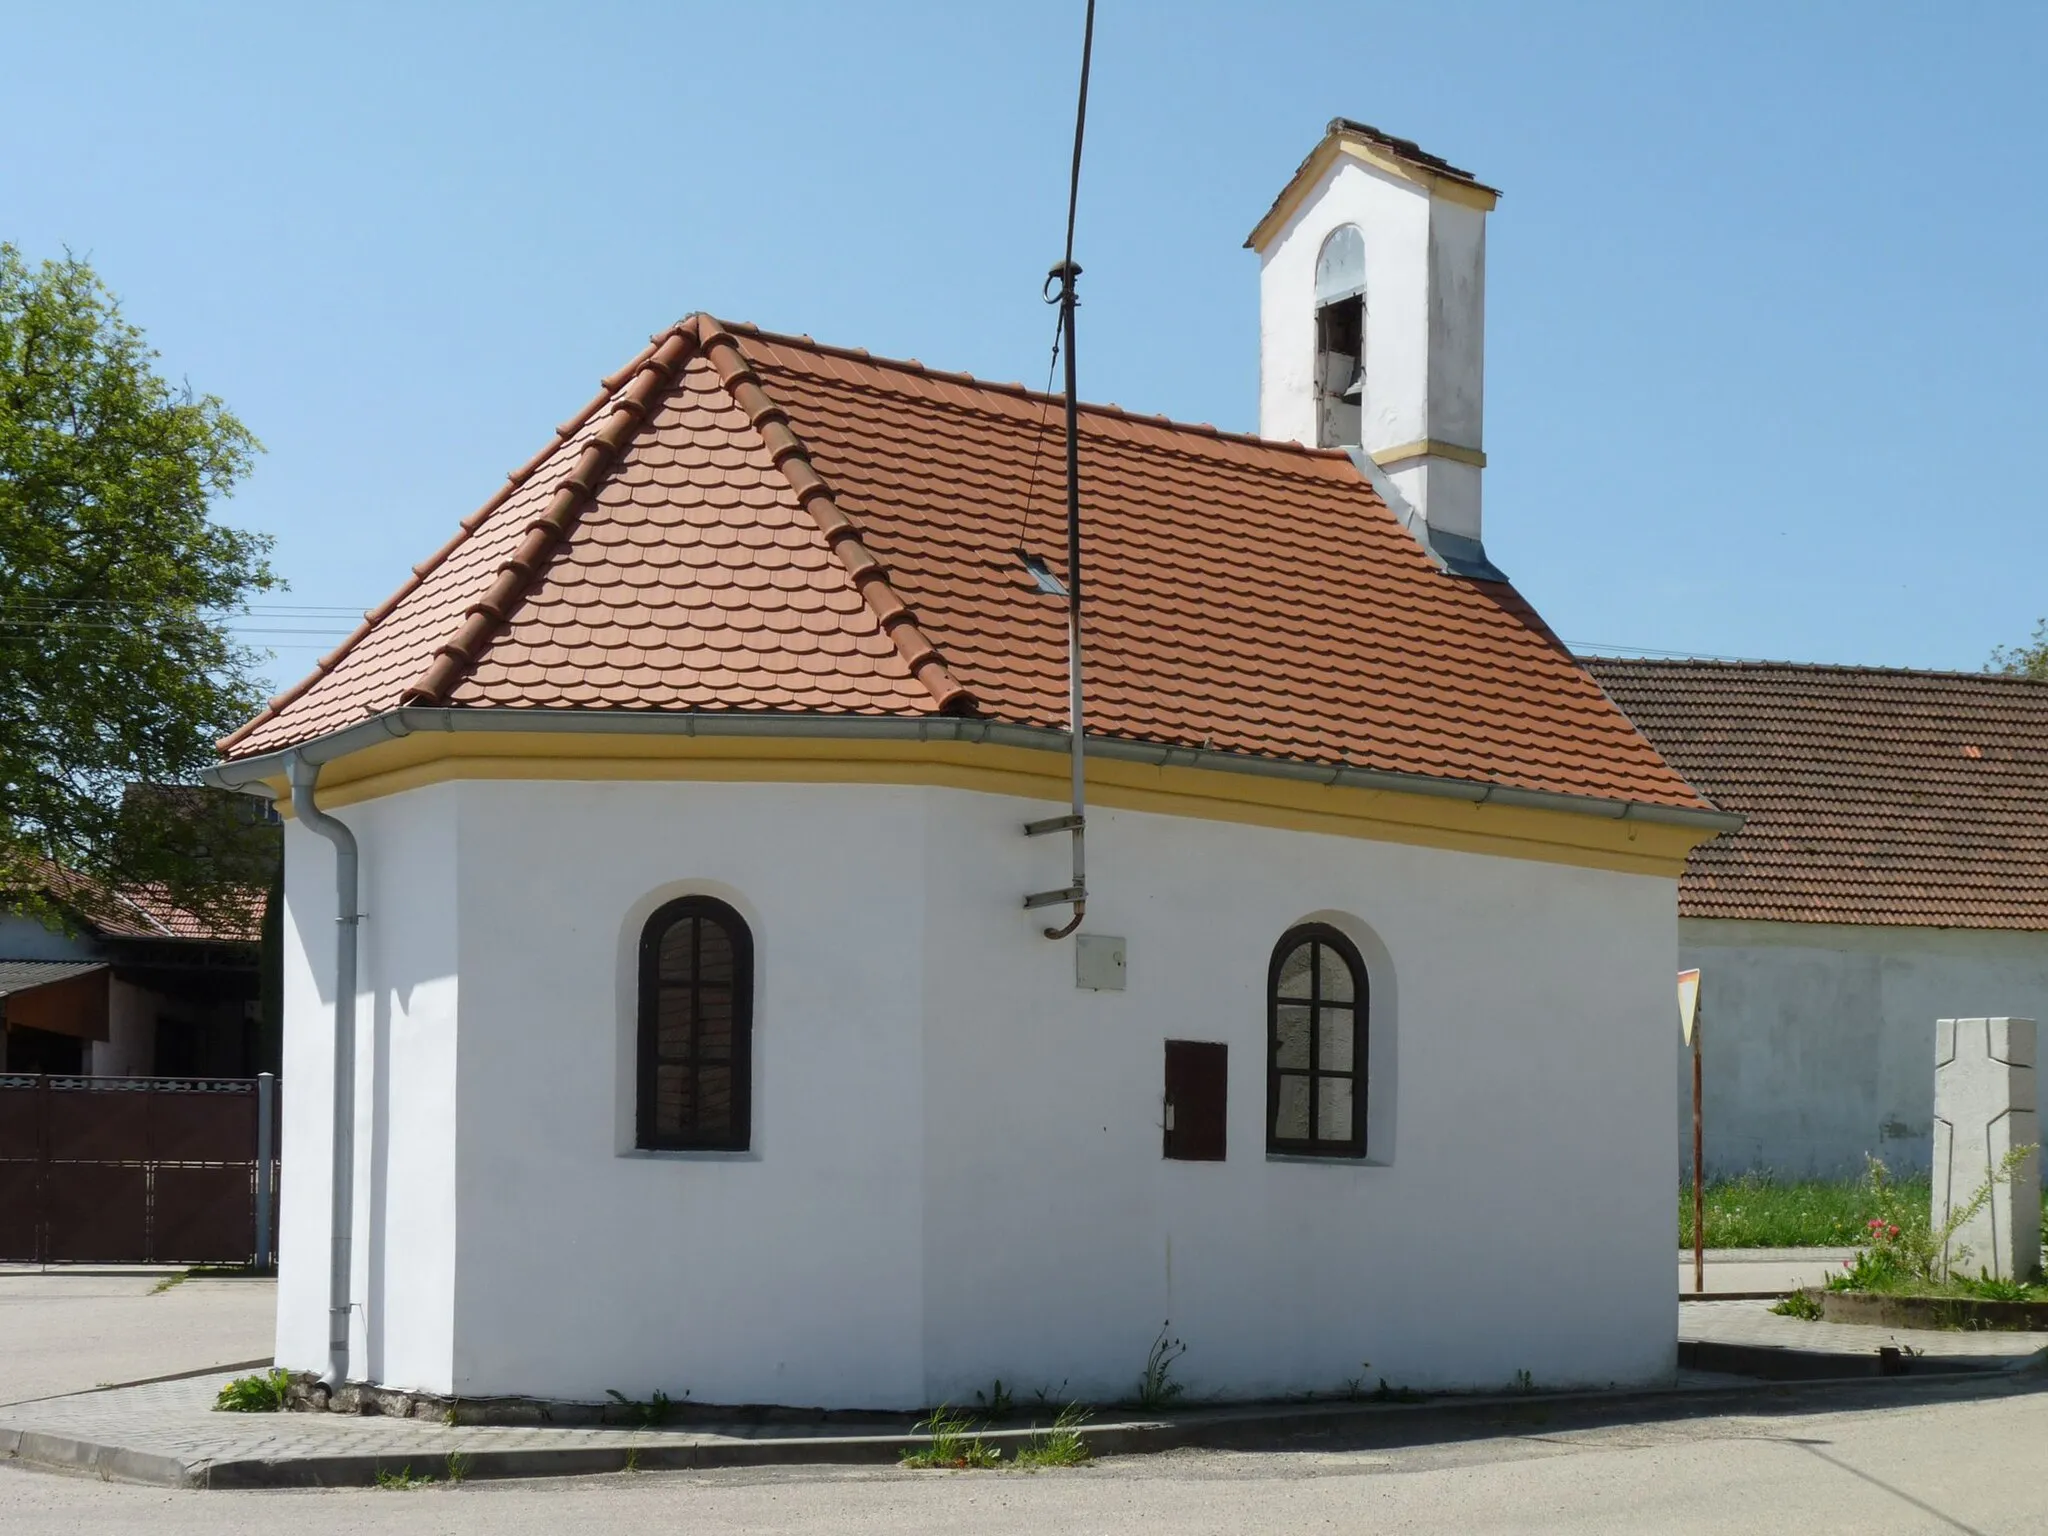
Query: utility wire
{"type": "Point", "coordinates": [1038, 440]}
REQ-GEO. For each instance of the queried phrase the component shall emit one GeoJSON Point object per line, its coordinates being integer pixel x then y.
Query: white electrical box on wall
{"type": "Point", "coordinates": [1099, 963]}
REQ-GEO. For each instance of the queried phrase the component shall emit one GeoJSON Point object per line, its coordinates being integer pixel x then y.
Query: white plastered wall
{"type": "Point", "coordinates": [1818, 1046]}
{"type": "Point", "coordinates": [1517, 1066]}
{"type": "Point", "coordinates": [787, 1274]}
{"type": "Point", "coordinates": [956, 1172]}
{"type": "Point", "coordinates": [406, 1046]}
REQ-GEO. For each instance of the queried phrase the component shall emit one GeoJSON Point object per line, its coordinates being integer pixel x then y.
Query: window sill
{"type": "Point", "coordinates": [1318, 1160]}
{"type": "Point", "coordinates": [687, 1155]}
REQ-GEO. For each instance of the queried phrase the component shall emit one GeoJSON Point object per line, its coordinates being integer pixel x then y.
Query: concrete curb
{"type": "Point", "coordinates": [1222, 1428]}
{"type": "Point", "coordinates": [1776, 1363]}
{"type": "Point", "coordinates": [110, 1463]}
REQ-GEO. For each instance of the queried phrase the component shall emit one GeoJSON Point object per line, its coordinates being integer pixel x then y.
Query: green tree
{"type": "Point", "coordinates": [116, 668]}
{"type": "Point", "coordinates": [2029, 660]}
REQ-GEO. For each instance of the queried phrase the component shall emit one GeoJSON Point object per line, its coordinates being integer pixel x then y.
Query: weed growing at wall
{"type": "Point", "coordinates": [951, 1443]}
{"type": "Point", "coordinates": [1060, 1446]}
{"type": "Point", "coordinates": [261, 1393]}
{"type": "Point", "coordinates": [655, 1410]}
{"type": "Point", "coordinates": [1156, 1386]}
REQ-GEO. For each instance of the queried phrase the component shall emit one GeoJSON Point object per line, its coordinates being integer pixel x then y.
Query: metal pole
{"type": "Point", "coordinates": [1699, 1182]}
{"type": "Point", "coordinates": [266, 1109]}
{"type": "Point", "coordinates": [1067, 271]}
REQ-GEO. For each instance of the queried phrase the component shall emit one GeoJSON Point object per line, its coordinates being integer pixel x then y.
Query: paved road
{"type": "Point", "coordinates": [1960, 1463]}
{"type": "Point", "coordinates": [72, 1331]}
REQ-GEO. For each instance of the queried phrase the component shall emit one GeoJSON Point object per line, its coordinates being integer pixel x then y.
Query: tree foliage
{"type": "Point", "coordinates": [2029, 660]}
{"type": "Point", "coordinates": [116, 666]}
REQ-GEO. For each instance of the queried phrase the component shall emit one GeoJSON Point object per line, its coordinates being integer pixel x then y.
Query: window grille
{"type": "Point", "coordinates": [696, 1028]}
{"type": "Point", "coordinates": [1316, 1020]}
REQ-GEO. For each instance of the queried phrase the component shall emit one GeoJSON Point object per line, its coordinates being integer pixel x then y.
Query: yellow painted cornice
{"type": "Point", "coordinates": [1429, 448]}
{"type": "Point", "coordinates": [1625, 845]}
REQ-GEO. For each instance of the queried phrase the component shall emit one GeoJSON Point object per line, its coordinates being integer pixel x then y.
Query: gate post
{"type": "Point", "coordinates": [266, 1112]}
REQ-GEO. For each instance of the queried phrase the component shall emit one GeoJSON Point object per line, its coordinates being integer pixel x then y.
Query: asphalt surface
{"type": "Point", "coordinates": [1954, 1460]}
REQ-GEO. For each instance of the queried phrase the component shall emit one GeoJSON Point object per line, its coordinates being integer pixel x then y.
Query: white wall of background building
{"type": "Point", "coordinates": [1818, 1047]}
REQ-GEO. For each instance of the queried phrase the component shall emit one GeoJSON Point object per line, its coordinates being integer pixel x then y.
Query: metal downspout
{"type": "Point", "coordinates": [347, 924]}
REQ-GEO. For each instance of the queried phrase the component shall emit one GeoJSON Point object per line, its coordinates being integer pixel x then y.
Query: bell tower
{"type": "Point", "coordinates": [1372, 323]}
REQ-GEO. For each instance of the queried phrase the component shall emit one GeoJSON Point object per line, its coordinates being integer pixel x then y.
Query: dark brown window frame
{"type": "Point", "coordinates": [739, 1136]}
{"type": "Point", "coordinates": [1361, 1016]}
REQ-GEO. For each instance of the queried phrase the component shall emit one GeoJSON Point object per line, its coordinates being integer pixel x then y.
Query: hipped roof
{"type": "Point", "coordinates": [745, 521]}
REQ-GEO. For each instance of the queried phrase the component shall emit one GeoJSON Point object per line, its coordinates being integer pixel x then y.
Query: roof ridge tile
{"type": "Point", "coordinates": [607, 387]}
{"type": "Point", "coordinates": [486, 616]}
{"type": "Point", "coordinates": [842, 535]}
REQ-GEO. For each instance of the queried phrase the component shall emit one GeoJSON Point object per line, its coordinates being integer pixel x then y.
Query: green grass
{"type": "Point", "coordinates": [1060, 1446]}
{"type": "Point", "coordinates": [1876, 1280]}
{"type": "Point", "coordinates": [1756, 1210]}
{"type": "Point", "coordinates": [952, 1443]}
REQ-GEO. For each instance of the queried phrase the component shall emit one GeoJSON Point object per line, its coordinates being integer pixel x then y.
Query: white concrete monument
{"type": "Point", "coordinates": [1984, 1106]}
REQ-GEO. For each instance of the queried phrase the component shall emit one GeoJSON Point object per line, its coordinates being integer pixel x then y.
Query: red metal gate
{"type": "Point", "coordinates": [133, 1170]}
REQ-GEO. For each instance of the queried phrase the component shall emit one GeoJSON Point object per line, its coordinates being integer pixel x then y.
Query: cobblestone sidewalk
{"type": "Point", "coordinates": [167, 1432]}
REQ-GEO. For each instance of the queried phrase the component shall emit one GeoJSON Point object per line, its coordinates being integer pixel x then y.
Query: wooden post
{"type": "Point", "coordinates": [1699, 1181]}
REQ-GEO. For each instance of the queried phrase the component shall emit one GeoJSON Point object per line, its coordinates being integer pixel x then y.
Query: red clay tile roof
{"type": "Point", "coordinates": [1871, 795]}
{"type": "Point", "coordinates": [148, 912]}
{"type": "Point", "coordinates": [746, 521]}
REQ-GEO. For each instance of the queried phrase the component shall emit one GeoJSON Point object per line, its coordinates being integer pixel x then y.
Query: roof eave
{"type": "Point", "coordinates": [248, 774]}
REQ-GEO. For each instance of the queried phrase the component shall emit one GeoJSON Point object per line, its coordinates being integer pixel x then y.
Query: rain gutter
{"type": "Point", "coordinates": [303, 770]}
{"type": "Point", "coordinates": [246, 773]}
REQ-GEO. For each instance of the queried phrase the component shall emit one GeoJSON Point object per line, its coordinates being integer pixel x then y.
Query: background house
{"type": "Point", "coordinates": [132, 982]}
{"type": "Point", "coordinates": [1892, 869]}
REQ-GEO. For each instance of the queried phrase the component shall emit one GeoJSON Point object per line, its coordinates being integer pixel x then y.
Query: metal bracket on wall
{"type": "Point", "coordinates": [1054, 898]}
{"type": "Point", "coordinates": [1053, 824]}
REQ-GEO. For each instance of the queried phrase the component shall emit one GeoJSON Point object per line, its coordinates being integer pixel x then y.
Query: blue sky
{"type": "Point", "coordinates": [1765, 312]}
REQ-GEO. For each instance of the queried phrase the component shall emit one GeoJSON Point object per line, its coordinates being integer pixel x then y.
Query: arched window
{"type": "Point", "coordinates": [1340, 339]}
{"type": "Point", "coordinates": [696, 1027]}
{"type": "Point", "coordinates": [1316, 1016]}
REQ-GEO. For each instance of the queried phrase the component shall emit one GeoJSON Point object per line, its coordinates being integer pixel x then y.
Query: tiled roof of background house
{"type": "Point", "coordinates": [144, 911]}
{"type": "Point", "coordinates": [1869, 795]}
{"type": "Point", "coordinates": [746, 521]}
